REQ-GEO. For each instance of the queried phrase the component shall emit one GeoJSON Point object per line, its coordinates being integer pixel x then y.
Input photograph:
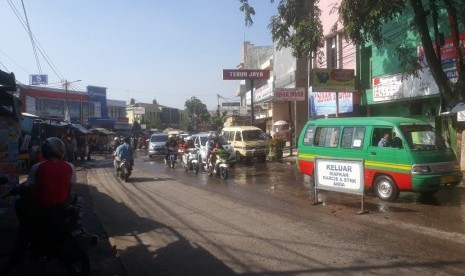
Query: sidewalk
{"type": "Point", "coordinates": [287, 157]}
{"type": "Point", "coordinates": [103, 259]}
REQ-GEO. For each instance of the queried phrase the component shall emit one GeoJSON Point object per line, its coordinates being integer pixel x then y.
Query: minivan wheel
{"type": "Point", "coordinates": [386, 189]}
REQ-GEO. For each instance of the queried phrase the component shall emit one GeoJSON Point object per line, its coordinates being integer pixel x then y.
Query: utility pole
{"type": "Point", "coordinates": [67, 116]}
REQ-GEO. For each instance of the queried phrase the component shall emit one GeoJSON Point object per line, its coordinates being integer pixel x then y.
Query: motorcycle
{"type": "Point", "coordinates": [171, 157]}
{"type": "Point", "coordinates": [188, 158]}
{"type": "Point", "coordinates": [220, 167]}
{"type": "Point", "coordinates": [125, 170]}
{"type": "Point", "coordinates": [61, 237]}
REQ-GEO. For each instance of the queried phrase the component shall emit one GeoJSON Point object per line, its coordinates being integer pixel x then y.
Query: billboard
{"type": "Point", "coordinates": [333, 79]}
{"type": "Point", "coordinates": [98, 94]}
{"type": "Point", "coordinates": [38, 79]}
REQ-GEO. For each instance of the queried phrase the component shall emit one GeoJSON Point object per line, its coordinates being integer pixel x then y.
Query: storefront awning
{"type": "Point", "coordinates": [80, 128]}
{"type": "Point", "coordinates": [102, 131]}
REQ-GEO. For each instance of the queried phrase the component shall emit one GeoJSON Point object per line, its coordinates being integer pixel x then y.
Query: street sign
{"type": "Point", "coordinates": [245, 74]}
{"type": "Point", "coordinates": [289, 94]}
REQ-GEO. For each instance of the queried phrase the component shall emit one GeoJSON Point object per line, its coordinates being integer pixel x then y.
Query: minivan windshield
{"type": "Point", "coordinates": [423, 138]}
{"type": "Point", "coordinates": [159, 138]}
{"type": "Point", "coordinates": [253, 135]}
{"type": "Point", "coordinates": [220, 138]}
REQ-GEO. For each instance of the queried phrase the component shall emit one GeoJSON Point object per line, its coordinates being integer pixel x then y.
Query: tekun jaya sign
{"type": "Point", "coordinates": [245, 74]}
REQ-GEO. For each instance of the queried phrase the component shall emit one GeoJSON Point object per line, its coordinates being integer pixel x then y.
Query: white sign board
{"type": "Point", "coordinates": [139, 110]}
{"type": "Point", "coordinates": [340, 175]}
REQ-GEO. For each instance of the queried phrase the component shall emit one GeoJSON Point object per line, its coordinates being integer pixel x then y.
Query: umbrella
{"type": "Point", "coordinates": [280, 123]}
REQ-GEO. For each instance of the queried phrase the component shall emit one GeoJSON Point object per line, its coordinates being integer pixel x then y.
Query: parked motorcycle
{"type": "Point", "coordinates": [64, 239]}
{"type": "Point", "coordinates": [220, 166]}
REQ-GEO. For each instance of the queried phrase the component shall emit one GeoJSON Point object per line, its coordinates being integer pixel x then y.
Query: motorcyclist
{"type": "Point", "coordinates": [212, 139]}
{"type": "Point", "coordinates": [189, 143]}
{"type": "Point", "coordinates": [45, 194]}
{"type": "Point", "coordinates": [171, 143]}
{"type": "Point", "coordinates": [123, 152]}
{"type": "Point", "coordinates": [212, 155]}
{"type": "Point", "coordinates": [116, 143]}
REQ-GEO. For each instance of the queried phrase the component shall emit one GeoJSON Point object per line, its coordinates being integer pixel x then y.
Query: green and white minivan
{"type": "Point", "coordinates": [415, 159]}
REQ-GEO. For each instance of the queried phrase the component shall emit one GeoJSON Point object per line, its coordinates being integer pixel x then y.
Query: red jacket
{"type": "Point", "coordinates": [51, 182]}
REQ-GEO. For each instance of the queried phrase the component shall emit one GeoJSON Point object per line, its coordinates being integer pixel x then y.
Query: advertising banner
{"type": "Point", "coordinates": [392, 87]}
{"type": "Point", "coordinates": [38, 79]}
{"type": "Point", "coordinates": [263, 93]}
{"type": "Point", "coordinates": [99, 95]}
{"type": "Point", "coordinates": [138, 110]}
{"type": "Point", "coordinates": [333, 79]}
{"type": "Point", "coordinates": [324, 103]}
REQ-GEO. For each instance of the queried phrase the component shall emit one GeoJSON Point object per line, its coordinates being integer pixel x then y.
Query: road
{"type": "Point", "coordinates": [261, 221]}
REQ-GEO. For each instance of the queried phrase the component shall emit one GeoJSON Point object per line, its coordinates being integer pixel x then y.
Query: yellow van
{"type": "Point", "coordinates": [248, 142]}
{"type": "Point", "coordinates": [400, 154]}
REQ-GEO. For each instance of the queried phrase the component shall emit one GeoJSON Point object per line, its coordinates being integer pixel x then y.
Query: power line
{"type": "Point", "coordinates": [31, 38]}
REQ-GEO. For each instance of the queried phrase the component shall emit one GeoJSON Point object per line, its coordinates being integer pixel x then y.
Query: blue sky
{"type": "Point", "coordinates": [142, 49]}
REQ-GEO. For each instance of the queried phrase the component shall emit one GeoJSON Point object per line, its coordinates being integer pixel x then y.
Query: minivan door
{"type": "Point", "coordinates": [386, 154]}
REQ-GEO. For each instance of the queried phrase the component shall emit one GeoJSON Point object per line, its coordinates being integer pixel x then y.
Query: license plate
{"type": "Point", "coordinates": [79, 233]}
{"type": "Point", "coordinates": [447, 179]}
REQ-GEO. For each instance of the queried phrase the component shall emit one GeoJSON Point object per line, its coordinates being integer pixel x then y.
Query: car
{"type": "Point", "coordinates": [248, 141]}
{"type": "Point", "coordinates": [157, 144]}
{"type": "Point", "coordinates": [200, 142]}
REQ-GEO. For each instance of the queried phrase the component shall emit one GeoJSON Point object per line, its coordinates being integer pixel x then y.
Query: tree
{"type": "Point", "coordinates": [362, 25]}
{"type": "Point", "coordinates": [132, 101]}
{"type": "Point", "coordinates": [197, 112]}
{"type": "Point", "coordinates": [217, 121]}
{"type": "Point", "coordinates": [154, 101]}
{"type": "Point", "coordinates": [363, 22]}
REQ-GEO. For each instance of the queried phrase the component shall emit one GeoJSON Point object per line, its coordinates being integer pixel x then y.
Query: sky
{"type": "Point", "coordinates": [141, 49]}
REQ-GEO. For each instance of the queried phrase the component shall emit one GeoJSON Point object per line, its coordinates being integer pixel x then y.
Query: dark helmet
{"type": "Point", "coordinates": [53, 148]}
{"type": "Point", "coordinates": [127, 140]}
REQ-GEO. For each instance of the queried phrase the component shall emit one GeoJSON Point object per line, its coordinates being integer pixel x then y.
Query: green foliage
{"type": "Point", "coordinates": [277, 143]}
{"type": "Point", "coordinates": [197, 111]}
{"type": "Point", "coordinates": [363, 19]}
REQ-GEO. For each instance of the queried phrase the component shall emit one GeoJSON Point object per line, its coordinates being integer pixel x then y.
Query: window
{"type": "Point", "coordinates": [352, 137]}
{"type": "Point", "coordinates": [327, 137]}
{"type": "Point", "coordinates": [227, 135]}
{"type": "Point", "coordinates": [332, 52]}
{"type": "Point", "coordinates": [309, 135]}
{"type": "Point", "coordinates": [379, 133]}
{"type": "Point", "coordinates": [238, 137]}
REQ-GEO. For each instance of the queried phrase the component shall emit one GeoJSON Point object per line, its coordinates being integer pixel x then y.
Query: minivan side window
{"type": "Point", "coordinates": [352, 137]}
{"type": "Point", "coordinates": [378, 134]}
{"type": "Point", "coordinates": [227, 135]}
{"type": "Point", "coordinates": [309, 135]}
{"type": "Point", "coordinates": [327, 137]}
{"type": "Point", "coordinates": [238, 137]}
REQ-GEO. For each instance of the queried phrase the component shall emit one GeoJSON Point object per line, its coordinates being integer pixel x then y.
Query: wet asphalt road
{"type": "Point", "coordinates": [261, 221]}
